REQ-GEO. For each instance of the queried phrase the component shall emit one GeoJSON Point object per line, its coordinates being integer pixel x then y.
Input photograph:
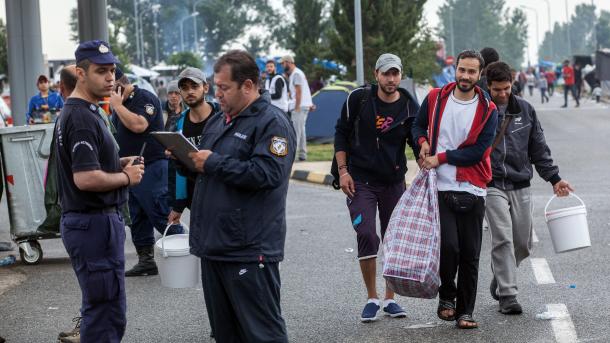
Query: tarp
{"type": "Point", "coordinates": [143, 72]}
{"type": "Point", "coordinates": [602, 65]}
{"type": "Point", "coordinates": [320, 126]}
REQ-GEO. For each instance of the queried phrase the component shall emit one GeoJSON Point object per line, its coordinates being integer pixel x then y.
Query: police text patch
{"type": "Point", "coordinates": [279, 146]}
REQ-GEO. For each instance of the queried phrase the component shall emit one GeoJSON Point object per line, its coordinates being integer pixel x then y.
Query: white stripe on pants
{"type": "Point", "coordinates": [509, 214]}
{"type": "Point", "coordinates": [299, 118]}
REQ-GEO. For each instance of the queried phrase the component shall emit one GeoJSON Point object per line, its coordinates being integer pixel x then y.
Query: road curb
{"type": "Point", "coordinates": [312, 177]}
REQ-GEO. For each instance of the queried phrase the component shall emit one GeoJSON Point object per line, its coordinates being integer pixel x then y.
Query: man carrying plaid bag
{"type": "Point", "coordinates": [455, 128]}
{"type": "Point", "coordinates": [370, 140]}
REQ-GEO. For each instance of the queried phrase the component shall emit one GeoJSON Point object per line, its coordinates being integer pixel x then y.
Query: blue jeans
{"type": "Point", "coordinates": [148, 205]}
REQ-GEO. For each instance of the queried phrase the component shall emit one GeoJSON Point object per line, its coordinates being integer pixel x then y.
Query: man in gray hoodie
{"type": "Point", "coordinates": [519, 143]}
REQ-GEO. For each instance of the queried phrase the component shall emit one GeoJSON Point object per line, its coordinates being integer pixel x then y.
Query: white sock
{"type": "Point", "coordinates": [387, 302]}
{"type": "Point", "coordinates": [374, 301]}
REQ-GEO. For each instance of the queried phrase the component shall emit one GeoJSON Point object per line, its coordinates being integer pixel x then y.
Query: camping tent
{"type": "Point", "coordinates": [320, 126]}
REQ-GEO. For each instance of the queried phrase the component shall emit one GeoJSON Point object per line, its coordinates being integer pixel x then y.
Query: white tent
{"type": "Point", "coordinates": [143, 72]}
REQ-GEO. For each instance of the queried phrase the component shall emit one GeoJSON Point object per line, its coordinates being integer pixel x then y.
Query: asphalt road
{"type": "Point", "coordinates": [323, 294]}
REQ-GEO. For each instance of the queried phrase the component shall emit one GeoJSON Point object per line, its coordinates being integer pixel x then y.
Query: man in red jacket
{"type": "Point", "coordinates": [455, 128]}
{"type": "Point", "coordinates": [568, 86]}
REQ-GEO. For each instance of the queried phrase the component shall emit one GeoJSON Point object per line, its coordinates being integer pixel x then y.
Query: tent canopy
{"type": "Point", "coordinates": [320, 126]}
{"type": "Point", "coordinates": [143, 72]}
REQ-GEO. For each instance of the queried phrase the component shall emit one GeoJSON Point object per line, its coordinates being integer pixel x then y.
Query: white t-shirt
{"type": "Point", "coordinates": [297, 77]}
{"type": "Point", "coordinates": [456, 123]}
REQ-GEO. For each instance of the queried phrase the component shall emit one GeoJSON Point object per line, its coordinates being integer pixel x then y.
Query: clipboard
{"type": "Point", "coordinates": [179, 145]}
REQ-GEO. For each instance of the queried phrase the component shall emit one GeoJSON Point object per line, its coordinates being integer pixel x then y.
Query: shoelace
{"type": "Point", "coordinates": [77, 320]}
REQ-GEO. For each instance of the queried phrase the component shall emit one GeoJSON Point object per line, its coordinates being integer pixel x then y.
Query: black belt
{"type": "Point", "coordinates": [104, 210]}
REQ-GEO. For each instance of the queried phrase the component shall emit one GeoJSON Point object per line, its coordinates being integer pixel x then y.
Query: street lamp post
{"type": "Point", "coordinates": [568, 30]}
{"type": "Point", "coordinates": [135, 15]}
{"type": "Point", "coordinates": [451, 33]}
{"type": "Point", "coordinates": [155, 13]}
{"type": "Point", "coordinates": [537, 32]}
{"type": "Point", "coordinates": [358, 36]}
{"type": "Point", "coordinates": [192, 15]}
{"type": "Point", "coordinates": [155, 9]}
{"type": "Point", "coordinates": [548, 9]}
{"type": "Point", "coordinates": [195, 25]}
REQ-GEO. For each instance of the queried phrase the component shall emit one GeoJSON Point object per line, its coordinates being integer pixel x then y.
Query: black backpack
{"type": "Point", "coordinates": [334, 168]}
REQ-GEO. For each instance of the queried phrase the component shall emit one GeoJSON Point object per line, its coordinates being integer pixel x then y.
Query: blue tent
{"type": "Point", "coordinates": [320, 126]}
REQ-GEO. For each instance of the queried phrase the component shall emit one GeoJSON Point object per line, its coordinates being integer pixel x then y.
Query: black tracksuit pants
{"type": "Point", "coordinates": [460, 249]}
{"type": "Point", "coordinates": [243, 301]}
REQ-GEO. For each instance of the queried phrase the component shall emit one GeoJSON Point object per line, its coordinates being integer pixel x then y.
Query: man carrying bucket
{"type": "Point", "coordinates": [238, 213]}
{"type": "Point", "coordinates": [519, 143]}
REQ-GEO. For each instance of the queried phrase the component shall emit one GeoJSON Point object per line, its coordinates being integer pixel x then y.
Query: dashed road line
{"type": "Point", "coordinates": [562, 323]}
{"type": "Point", "coordinates": [542, 272]}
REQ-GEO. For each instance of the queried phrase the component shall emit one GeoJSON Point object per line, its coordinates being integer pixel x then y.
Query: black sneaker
{"type": "Point", "coordinates": [510, 305]}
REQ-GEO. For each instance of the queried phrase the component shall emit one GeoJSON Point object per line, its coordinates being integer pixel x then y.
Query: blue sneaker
{"type": "Point", "coordinates": [369, 314]}
{"type": "Point", "coordinates": [394, 310]}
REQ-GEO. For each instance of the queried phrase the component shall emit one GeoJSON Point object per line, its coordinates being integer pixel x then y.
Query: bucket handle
{"type": "Point", "coordinates": [555, 196]}
{"type": "Point", "coordinates": [165, 233]}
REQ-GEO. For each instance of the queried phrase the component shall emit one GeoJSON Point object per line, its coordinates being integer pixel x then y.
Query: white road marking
{"type": "Point", "coordinates": [542, 272]}
{"type": "Point", "coordinates": [562, 323]}
{"type": "Point", "coordinates": [534, 237]}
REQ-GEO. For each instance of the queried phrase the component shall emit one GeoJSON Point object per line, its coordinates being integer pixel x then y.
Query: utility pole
{"type": "Point", "coordinates": [451, 33]}
{"type": "Point", "coordinates": [135, 18]}
{"type": "Point", "coordinates": [358, 34]}
{"type": "Point", "coordinates": [568, 30]}
{"type": "Point", "coordinates": [548, 9]}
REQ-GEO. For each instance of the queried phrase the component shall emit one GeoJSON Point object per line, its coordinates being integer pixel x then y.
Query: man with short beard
{"type": "Point", "coordinates": [455, 128]}
{"type": "Point", "coordinates": [93, 183]}
{"type": "Point", "coordinates": [193, 88]}
{"type": "Point", "coordinates": [277, 87]}
{"type": "Point", "coordinates": [370, 141]}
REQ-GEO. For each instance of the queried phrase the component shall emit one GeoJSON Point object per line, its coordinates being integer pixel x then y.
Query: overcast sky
{"type": "Point", "coordinates": [55, 16]}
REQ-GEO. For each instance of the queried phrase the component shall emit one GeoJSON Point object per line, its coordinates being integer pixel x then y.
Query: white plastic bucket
{"type": "Point", "coordinates": [568, 226]}
{"type": "Point", "coordinates": [177, 267]}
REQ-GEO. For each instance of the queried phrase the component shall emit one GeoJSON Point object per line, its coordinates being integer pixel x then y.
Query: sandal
{"type": "Point", "coordinates": [466, 321]}
{"type": "Point", "coordinates": [446, 305]}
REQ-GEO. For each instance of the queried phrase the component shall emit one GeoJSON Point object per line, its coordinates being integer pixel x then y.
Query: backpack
{"type": "Point", "coordinates": [334, 168]}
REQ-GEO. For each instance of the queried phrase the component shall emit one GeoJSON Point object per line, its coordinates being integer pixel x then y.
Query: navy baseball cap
{"type": "Point", "coordinates": [96, 51]}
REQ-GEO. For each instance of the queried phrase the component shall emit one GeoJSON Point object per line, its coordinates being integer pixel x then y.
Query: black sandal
{"type": "Point", "coordinates": [444, 305]}
{"type": "Point", "coordinates": [468, 319]}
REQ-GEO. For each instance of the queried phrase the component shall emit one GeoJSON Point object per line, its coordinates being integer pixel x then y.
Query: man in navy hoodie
{"type": "Point", "coordinates": [370, 140]}
{"type": "Point", "coordinates": [455, 128]}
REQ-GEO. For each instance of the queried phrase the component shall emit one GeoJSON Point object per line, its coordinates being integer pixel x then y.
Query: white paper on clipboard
{"type": "Point", "coordinates": [179, 145]}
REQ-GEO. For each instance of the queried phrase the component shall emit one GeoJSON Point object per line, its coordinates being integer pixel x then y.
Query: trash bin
{"type": "Point", "coordinates": [25, 151]}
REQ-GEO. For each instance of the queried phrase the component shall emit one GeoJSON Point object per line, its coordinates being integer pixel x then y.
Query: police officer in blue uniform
{"type": "Point", "coordinates": [136, 113]}
{"type": "Point", "coordinates": [238, 213]}
{"type": "Point", "coordinates": [93, 183]}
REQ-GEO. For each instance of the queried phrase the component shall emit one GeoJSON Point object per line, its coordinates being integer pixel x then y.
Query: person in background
{"type": "Point", "coordinates": [568, 87]}
{"type": "Point", "coordinates": [550, 78]}
{"type": "Point", "coordinates": [277, 87]}
{"type": "Point", "coordinates": [162, 91]}
{"type": "Point", "coordinates": [45, 105]}
{"type": "Point", "coordinates": [301, 97]}
{"type": "Point", "coordinates": [490, 55]}
{"type": "Point", "coordinates": [543, 86]}
{"type": "Point", "coordinates": [174, 106]}
{"type": "Point", "coordinates": [597, 92]}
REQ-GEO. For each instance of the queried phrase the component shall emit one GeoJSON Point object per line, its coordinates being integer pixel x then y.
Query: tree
{"type": "Point", "coordinates": [582, 33]}
{"type": "Point", "coordinates": [185, 59]}
{"type": "Point", "coordinates": [485, 23]}
{"type": "Point", "coordinates": [391, 26]}
{"type": "Point", "coordinates": [603, 30]}
{"type": "Point", "coordinates": [3, 49]}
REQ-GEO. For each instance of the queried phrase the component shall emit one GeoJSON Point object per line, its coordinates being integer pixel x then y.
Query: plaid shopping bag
{"type": "Point", "coordinates": [411, 246]}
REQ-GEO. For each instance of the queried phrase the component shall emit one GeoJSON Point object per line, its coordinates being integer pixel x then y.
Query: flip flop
{"type": "Point", "coordinates": [444, 305]}
{"type": "Point", "coordinates": [466, 318]}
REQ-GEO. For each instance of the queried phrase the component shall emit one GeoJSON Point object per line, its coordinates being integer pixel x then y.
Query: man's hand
{"type": "Point", "coordinates": [169, 154]}
{"type": "Point", "coordinates": [199, 158]}
{"type": "Point", "coordinates": [116, 97]}
{"type": "Point", "coordinates": [347, 184]}
{"type": "Point", "coordinates": [134, 172]}
{"type": "Point", "coordinates": [174, 217]}
{"type": "Point", "coordinates": [430, 162]}
{"type": "Point", "coordinates": [130, 159]}
{"type": "Point", "coordinates": [424, 151]}
{"type": "Point", "coordinates": [562, 188]}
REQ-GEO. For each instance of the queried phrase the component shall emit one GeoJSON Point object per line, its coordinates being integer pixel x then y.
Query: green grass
{"type": "Point", "coordinates": [324, 152]}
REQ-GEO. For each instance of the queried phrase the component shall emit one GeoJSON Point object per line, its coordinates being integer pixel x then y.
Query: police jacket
{"type": "Point", "coordinates": [523, 144]}
{"type": "Point", "coordinates": [239, 203]}
{"type": "Point", "coordinates": [373, 156]}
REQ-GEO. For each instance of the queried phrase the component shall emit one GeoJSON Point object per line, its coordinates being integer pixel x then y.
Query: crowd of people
{"type": "Point", "coordinates": [112, 173]}
{"type": "Point", "coordinates": [461, 130]}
